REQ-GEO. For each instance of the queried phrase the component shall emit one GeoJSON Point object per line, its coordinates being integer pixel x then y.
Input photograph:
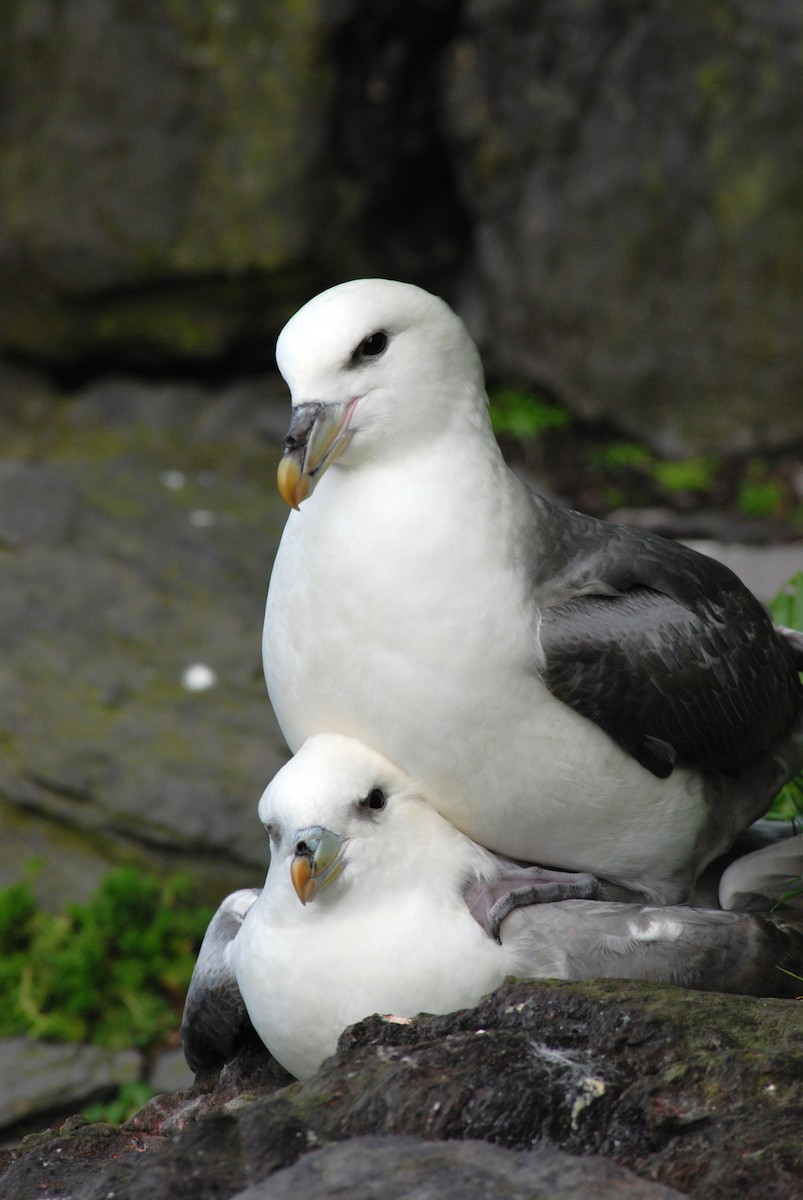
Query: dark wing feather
{"type": "Point", "coordinates": [215, 1020]}
{"type": "Point", "coordinates": [662, 647]}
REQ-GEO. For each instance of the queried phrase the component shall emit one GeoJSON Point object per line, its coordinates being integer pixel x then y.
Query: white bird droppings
{"type": "Point", "coordinates": [202, 518]}
{"type": "Point", "coordinates": [198, 677]}
{"type": "Point", "coordinates": [174, 480]}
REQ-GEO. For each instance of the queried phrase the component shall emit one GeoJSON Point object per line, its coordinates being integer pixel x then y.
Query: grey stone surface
{"type": "Point", "coordinates": [40, 1076]}
{"type": "Point", "coordinates": [700, 1093]}
{"type": "Point", "coordinates": [402, 1168]}
{"type": "Point", "coordinates": [140, 550]}
{"type": "Point", "coordinates": [38, 505]}
{"type": "Point", "coordinates": [170, 1073]}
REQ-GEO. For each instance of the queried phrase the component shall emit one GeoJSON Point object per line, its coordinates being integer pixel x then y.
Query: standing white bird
{"type": "Point", "coordinates": [570, 692]}
{"type": "Point", "coordinates": [373, 902]}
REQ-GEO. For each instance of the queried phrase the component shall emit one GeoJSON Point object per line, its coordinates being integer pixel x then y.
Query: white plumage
{"type": "Point", "coordinates": [373, 902]}
{"type": "Point", "coordinates": [569, 692]}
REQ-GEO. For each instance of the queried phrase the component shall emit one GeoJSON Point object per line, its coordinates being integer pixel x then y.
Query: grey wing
{"type": "Point", "coordinates": [215, 1018]}
{"type": "Point", "coordinates": [696, 948]}
{"type": "Point", "coordinates": [766, 879]}
{"type": "Point", "coordinates": [662, 647]}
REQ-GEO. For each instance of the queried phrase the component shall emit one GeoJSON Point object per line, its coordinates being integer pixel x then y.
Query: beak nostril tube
{"type": "Point", "coordinates": [318, 434]}
{"type": "Point", "coordinates": [303, 419]}
{"type": "Point", "coordinates": [317, 860]}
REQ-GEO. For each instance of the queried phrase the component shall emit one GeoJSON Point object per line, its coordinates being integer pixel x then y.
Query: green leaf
{"type": "Point", "coordinates": [787, 606]}
{"type": "Point", "coordinates": [524, 415]}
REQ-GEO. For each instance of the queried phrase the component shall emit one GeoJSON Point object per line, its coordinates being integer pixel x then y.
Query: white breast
{"type": "Point", "coordinates": [385, 622]}
{"type": "Point", "coordinates": [306, 974]}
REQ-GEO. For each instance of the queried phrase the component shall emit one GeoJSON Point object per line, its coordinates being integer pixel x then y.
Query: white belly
{"type": "Point", "coordinates": [447, 685]}
{"type": "Point", "coordinates": [305, 980]}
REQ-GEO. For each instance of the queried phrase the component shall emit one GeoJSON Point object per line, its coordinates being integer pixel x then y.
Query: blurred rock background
{"type": "Point", "coordinates": [610, 192]}
{"type": "Point", "coordinates": [611, 195]}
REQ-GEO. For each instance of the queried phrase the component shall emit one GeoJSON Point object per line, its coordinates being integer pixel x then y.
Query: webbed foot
{"type": "Point", "coordinates": [490, 902]}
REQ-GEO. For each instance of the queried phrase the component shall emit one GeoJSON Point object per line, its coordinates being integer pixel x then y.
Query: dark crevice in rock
{"type": "Point", "coordinates": [206, 329]}
{"type": "Point", "coordinates": [395, 187]}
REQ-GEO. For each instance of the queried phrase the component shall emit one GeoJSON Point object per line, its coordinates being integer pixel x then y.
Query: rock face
{"type": "Point", "coordinates": [697, 1095]}
{"type": "Point", "coordinates": [611, 194]}
{"type": "Point", "coordinates": [194, 171]}
{"type": "Point", "coordinates": [626, 170]}
{"type": "Point", "coordinates": [135, 562]}
{"type": "Point", "coordinates": [174, 146]}
{"type": "Point", "coordinates": [42, 1076]}
{"type": "Point", "coordinates": [396, 1168]}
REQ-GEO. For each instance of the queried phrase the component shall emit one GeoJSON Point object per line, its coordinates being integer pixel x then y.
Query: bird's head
{"type": "Point", "coordinates": [341, 811]}
{"type": "Point", "coordinates": [368, 364]}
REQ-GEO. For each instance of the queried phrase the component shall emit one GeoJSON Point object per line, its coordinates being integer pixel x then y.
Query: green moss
{"type": "Point", "coordinates": [193, 319]}
{"type": "Point", "coordinates": [113, 971]}
{"type": "Point", "coordinates": [160, 320]}
{"type": "Point", "coordinates": [715, 80]}
{"type": "Point", "coordinates": [261, 136]}
{"type": "Point", "coordinates": [745, 191]}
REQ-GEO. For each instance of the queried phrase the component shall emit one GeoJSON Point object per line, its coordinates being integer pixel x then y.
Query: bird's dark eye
{"type": "Point", "coordinates": [375, 800]}
{"type": "Point", "coordinates": [370, 347]}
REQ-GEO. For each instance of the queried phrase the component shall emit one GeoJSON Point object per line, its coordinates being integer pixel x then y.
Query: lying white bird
{"type": "Point", "coordinates": [570, 692]}
{"type": "Point", "coordinates": [373, 902]}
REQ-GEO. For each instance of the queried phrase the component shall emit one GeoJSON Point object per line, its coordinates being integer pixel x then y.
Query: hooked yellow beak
{"type": "Point", "coordinates": [318, 860]}
{"type": "Point", "coordinates": [318, 434]}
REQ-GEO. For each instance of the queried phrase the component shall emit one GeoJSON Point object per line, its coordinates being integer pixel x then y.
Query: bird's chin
{"type": "Point", "coordinates": [309, 457]}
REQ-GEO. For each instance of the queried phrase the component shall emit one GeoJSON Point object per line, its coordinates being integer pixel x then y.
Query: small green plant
{"type": "Point", "coordinates": [787, 609]}
{"type": "Point", "coordinates": [793, 975]}
{"type": "Point", "coordinates": [788, 804]}
{"type": "Point", "coordinates": [112, 971]}
{"type": "Point", "coordinates": [695, 474]}
{"type": "Point", "coordinates": [618, 455]}
{"type": "Point", "coordinates": [758, 495]}
{"type": "Point", "coordinates": [760, 499]}
{"type": "Point", "coordinates": [787, 606]}
{"type": "Point", "coordinates": [128, 1100]}
{"type": "Point", "coordinates": [524, 415]}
